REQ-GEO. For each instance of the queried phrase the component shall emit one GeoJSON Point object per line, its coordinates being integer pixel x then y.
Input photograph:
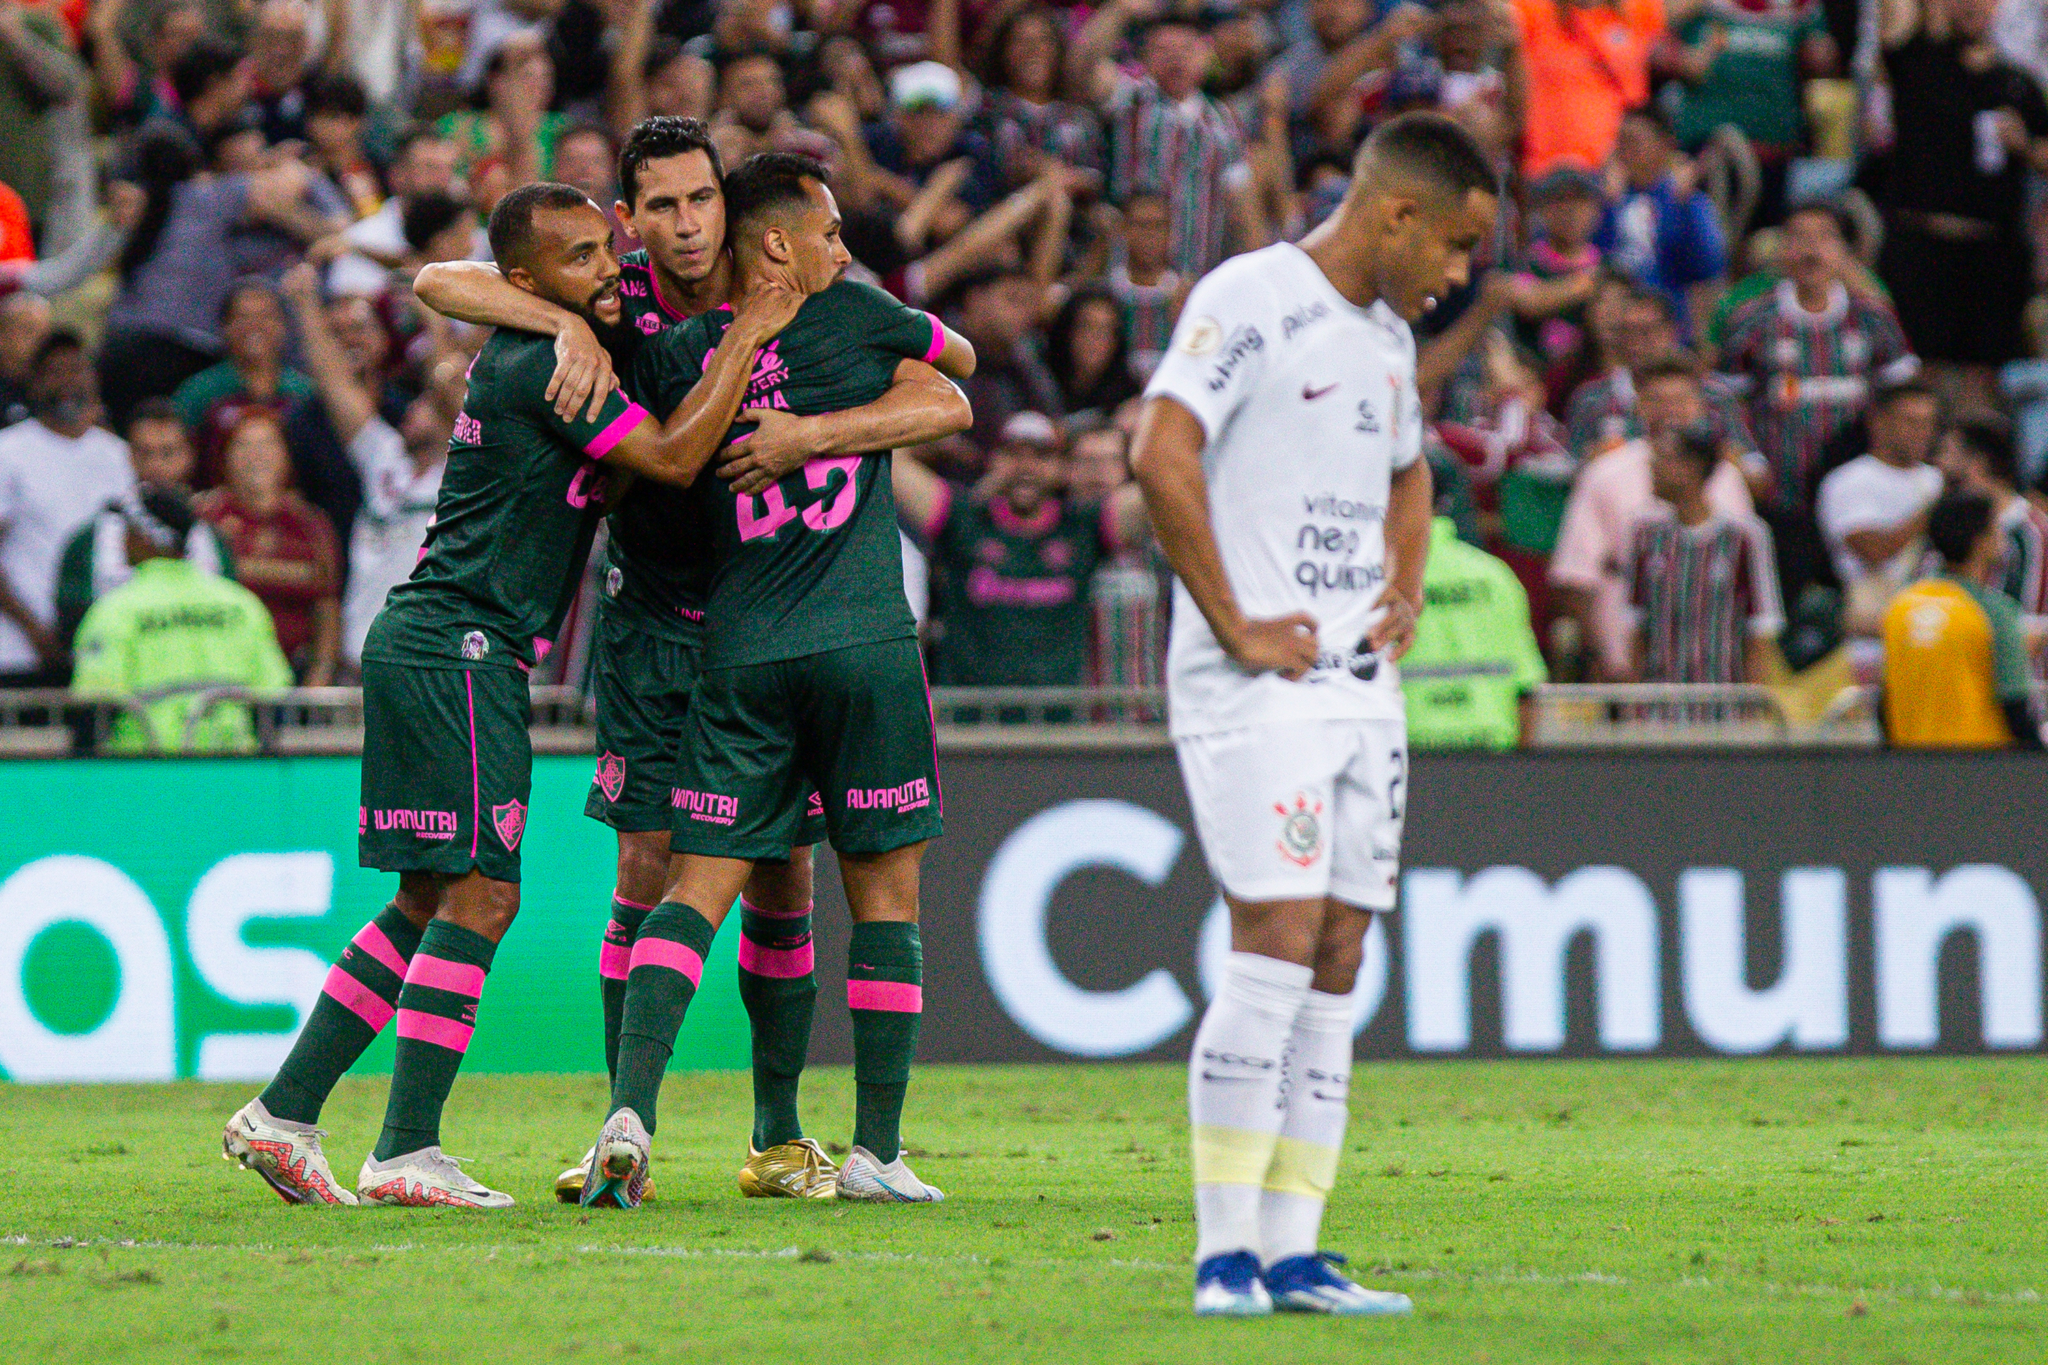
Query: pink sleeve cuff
{"type": "Point", "coordinates": [938, 339]}
{"type": "Point", "coordinates": [601, 444]}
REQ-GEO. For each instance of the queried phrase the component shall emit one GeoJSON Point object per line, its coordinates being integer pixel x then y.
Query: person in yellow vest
{"type": "Point", "coordinates": [1955, 659]}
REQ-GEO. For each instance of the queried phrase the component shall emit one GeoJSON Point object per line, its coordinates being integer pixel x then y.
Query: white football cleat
{"type": "Point", "coordinates": [1313, 1284]}
{"type": "Point", "coordinates": [867, 1180]}
{"type": "Point", "coordinates": [1228, 1286]}
{"type": "Point", "coordinates": [287, 1155]}
{"type": "Point", "coordinates": [617, 1174]}
{"type": "Point", "coordinates": [428, 1178]}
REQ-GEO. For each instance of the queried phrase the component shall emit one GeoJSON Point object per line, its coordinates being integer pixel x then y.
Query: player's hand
{"type": "Point", "coordinates": [769, 306]}
{"type": "Point", "coordinates": [583, 372]}
{"type": "Point", "coordinates": [1285, 645]}
{"type": "Point", "coordinates": [1396, 629]}
{"type": "Point", "coordinates": [779, 445]}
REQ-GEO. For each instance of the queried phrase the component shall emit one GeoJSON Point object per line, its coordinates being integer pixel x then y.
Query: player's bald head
{"type": "Point", "coordinates": [1424, 152]}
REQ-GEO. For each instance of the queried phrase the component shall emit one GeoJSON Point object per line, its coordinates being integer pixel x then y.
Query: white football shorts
{"type": "Point", "coordinates": [1298, 810]}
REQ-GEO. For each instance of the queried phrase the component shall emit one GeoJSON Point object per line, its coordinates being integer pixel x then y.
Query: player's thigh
{"type": "Point", "coordinates": [642, 684]}
{"type": "Point", "coordinates": [447, 770]}
{"type": "Point", "coordinates": [1371, 803]}
{"type": "Point", "coordinates": [739, 790]}
{"type": "Point", "coordinates": [1262, 799]}
{"type": "Point", "coordinates": [883, 887]}
{"type": "Point", "coordinates": [865, 726]}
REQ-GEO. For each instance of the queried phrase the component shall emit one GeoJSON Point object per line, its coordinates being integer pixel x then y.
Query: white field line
{"type": "Point", "coordinates": [1933, 1291]}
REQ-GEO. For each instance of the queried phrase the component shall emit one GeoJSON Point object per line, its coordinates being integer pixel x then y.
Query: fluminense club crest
{"type": "Point", "coordinates": [611, 775]}
{"type": "Point", "coordinates": [510, 822]}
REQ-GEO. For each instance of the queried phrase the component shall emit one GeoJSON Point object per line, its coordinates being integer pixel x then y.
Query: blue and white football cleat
{"type": "Point", "coordinates": [1228, 1286]}
{"type": "Point", "coordinates": [1312, 1284]}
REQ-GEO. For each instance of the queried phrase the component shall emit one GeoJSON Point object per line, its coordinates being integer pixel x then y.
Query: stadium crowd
{"type": "Point", "coordinates": [1756, 356]}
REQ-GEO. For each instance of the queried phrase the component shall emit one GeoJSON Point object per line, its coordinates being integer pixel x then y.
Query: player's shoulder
{"type": "Point", "coordinates": [845, 299]}
{"type": "Point", "coordinates": [509, 360]}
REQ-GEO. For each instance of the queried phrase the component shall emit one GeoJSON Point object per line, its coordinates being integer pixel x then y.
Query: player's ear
{"type": "Point", "coordinates": [522, 277]}
{"type": "Point", "coordinates": [775, 245]}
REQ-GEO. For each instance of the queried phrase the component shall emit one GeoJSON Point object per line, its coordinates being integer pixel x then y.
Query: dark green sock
{"type": "Point", "coordinates": [613, 963]}
{"type": "Point", "coordinates": [885, 991]}
{"type": "Point", "coordinates": [355, 1004]}
{"type": "Point", "coordinates": [779, 987]}
{"type": "Point", "coordinates": [436, 1016]}
{"type": "Point", "coordinates": [667, 964]}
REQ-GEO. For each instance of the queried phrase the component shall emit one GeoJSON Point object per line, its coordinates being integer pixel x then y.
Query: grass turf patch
{"type": "Point", "coordinates": [1808, 1210]}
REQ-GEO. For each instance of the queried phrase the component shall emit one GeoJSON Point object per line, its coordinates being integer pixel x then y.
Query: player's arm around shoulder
{"type": "Point", "coordinates": [475, 292]}
{"type": "Point", "coordinates": [920, 406]}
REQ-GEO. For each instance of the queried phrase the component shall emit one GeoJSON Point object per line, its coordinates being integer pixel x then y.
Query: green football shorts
{"type": "Point", "coordinates": [447, 769]}
{"type": "Point", "coordinates": [853, 723]}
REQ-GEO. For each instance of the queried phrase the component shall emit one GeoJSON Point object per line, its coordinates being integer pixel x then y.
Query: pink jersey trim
{"type": "Point", "coordinates": [938, 346]}
{"type": "Point", "coordinates": [443, 975]}
{"type": "Point", "coordinates": [754, 909]}
{"type": "Point", "coordinates": [617, 899]}
{"type": "Point", "coordinates": [899, 997]}
{"type": "Point", "coordinates": [781, 963]}
{"type": "Point", "coordinates": [666, 952]}
{"type": "Point", "coordinates": [614, 961]}
{"type": "Point", "coordinates": [432, 1028]}
{"type": "Point", "coordinates": [358, 999]}
{"type": "Point", "coordinates": [476, 788]}
{"type": "Point", "coordinates": [371, 940]}
{"type": "Point", "coordinates": [602, 443]}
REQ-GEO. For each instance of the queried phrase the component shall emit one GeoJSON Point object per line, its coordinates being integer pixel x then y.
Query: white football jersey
{"type": "Point", "coordinates": [1308, 404]}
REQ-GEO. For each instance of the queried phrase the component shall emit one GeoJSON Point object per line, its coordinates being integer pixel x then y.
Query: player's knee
{"type": "Point", "coordinates": [783, 888]}
{"type": "Point", "coordinates": [643, 866]}
{"type": "Point", "coordinates": [1340, 949]}
{"type": "Point", "coordinates": [418, 898]}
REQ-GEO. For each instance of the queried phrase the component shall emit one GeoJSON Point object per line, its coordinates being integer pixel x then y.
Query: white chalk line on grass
{"type": "Point", "coordinates": [1932, 1292]}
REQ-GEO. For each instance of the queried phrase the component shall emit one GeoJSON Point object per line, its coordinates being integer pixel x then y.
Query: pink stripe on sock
{"type": "Point", "coordinates": [358, 999]}
{"type": "Point", "coordinates": [373, 941]}
{"type": "Point", "coordinates": [444, 975]}
{"type": "Point", "coordinates": [432, 1028]}
{"type": "Point", "coordinates": [754, 909]}
{"type": "Point", "coordinates": [630, 905]}
{"type": "Point", "coordinates": [899, 996]}
{"type": "Point", "coordinates": [781, 963]}
{"type": "Point", "coordinates": [614, 961]}
{"type": "Point", "coordinates": [602, 443]}
{"type": "Point", "coordinates": [666, 952]}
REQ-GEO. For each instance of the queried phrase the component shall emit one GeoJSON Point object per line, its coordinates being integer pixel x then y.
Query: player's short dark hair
{"type": "Point", "coordinates": [1677, 365]}
{"type": "Point", "coordinates": [656, 138]}
{"type": "Point", "coordinates": [1890, 394]}
{"type": "Point", "coordinates": [765, 182]}
{"type": "Point", "coordinates": [60, 339]}
{"type": "Point", "coordinates": [1434, 147]}
{"type": "Point", "coordinates": [1699, 445]}
{"type": "Point", "coordinates": [157, 409]}
{"type": "Point", "coordinates": [203, 65]}
{"type": "Point", "coordinates": [336, 92]}
{"type": "Point", "coordinates": [1989, 437]}
{"type": "Point", "coordinates": [426, 216]}
{"type": "Point", "coordinates": [511, 229]}
{"type": "Point", "coordinates": [1956, 522]}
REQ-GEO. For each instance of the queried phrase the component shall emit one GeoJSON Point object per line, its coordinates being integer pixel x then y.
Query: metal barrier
{"type": "Point", "coordinates": [982, 719]}
{"type": "Point", "coordinates": [1655, 715]}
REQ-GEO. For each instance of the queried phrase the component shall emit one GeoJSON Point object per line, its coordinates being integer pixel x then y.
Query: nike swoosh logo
{"type": "Point", "coordinates": [1309, 395]}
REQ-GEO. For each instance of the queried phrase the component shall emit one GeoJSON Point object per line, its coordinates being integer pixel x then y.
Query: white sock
{"type": "Point", "coordinates": [1317, 1088]}
{"type": "Point", "coordinates": [1235, 1105]}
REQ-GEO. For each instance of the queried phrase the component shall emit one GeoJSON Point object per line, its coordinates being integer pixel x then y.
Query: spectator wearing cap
{"type": "Point", "coordinates": [95, 560]}
{"type": "Point", "coordinates": [171, 634]}
{"type": "Point", "coordinates": [1016, 559]}
{"type": "Point", "coordinates": [1977, 456]}
{"type": "Point", "coordinates": [38, 72]}
{"type": "Point", "coordinates": [1662, 232]}
{"type": "Point", "coordinates": [57, 468]}
{"type": "Point", "coordinates": [1587, 61]}
{"type": "Point", "coordinates": [926, 129]}
{"type": "Point", "coordinates": [252, 378]}
{"type": "Point", "coordinates": [1703, 599]}
{"type": "Point", "coordinates": [1168, 138]}
{"type": "Point", "coordinates": [1955, 666]}
{"type": "Point", "coordinates": [999, 313]}
{"type": "Point", "coordinates": [1873, 509]}
{"type": "Point", "coordinates": [1470, 674]}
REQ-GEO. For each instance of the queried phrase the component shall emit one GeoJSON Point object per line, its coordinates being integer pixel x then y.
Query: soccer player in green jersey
{"type": "Point", "coordinates": [812, 679]}
{"type": "Point", "coordinates": [446, 761]}
{"type": "Point", "coordinates": [650, 617]}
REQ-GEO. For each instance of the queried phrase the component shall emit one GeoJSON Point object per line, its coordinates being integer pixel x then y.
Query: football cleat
{"type": "Point", "coordinates": [868, 1180]}
{"type": "Point", "coordinates": [789, 1170]}
{"type": "Point", "coordinates": [1228, 1286]}
{"type": "Point", "coordinates": [287, 1155]}
{"type": "Point", "coordinates": [1313, 1284]}
{"type": "Point", "coordinates": [616, 1177]}
{"type": "Point", "coordinates": [569, 1184]}
{"type": "Point", "coordinates": [426, 1179]}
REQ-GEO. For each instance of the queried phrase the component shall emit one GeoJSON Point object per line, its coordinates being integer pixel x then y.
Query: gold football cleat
{"type": "Point", "coordinates": [789, 1170]}
{"type": "Point", "coordinates": [569, 1184]}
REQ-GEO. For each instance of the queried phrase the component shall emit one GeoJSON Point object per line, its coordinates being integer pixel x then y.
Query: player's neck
{"type": "Point", "coordinates": [1336, 251]}
{"type": "Point", "coordinates": [692, 297]}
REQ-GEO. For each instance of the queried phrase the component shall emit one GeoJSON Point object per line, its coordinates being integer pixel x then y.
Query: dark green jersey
{"type": "Point", "coordinates": [518, 507]}
{"type": "Point", "coordinates": [1015, 603]}
{"type": "Point", "coordinates": [812, 563]}
{"type": "Point", "coordinates": [657, 560]}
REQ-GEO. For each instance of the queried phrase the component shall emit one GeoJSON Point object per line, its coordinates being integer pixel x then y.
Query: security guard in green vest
{"type": "Point", "coordinates": [1475, 657]}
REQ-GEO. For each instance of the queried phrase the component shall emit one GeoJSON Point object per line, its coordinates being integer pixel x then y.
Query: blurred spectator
{"type": "Point", "coordinates": [1562, 261]}
{"type": "Point", "coordinates": [1641, 331]}
{"type": "Point", "coordinates": [1022, 113]}
{"type": "Point", "coordinates": [1168, 138]}
{"type": "Point", "coordinates": [169, 635]}
{"type": "Point", "coordinates": [1955, 666]}
{"type": "Point", "coordinates": [280, 59]}
{"type": "Point", "coordinates": [38, 72]}
{"type": "Point", "coordinates": [510, 130]}
{"type": "Point", "coordinates": [926, 129]}
{"type": "Point", "coordinates": [1702, 587]}
{"type": "Point", "coordinates": [1474, 663]}
{"type": "Point", "coordinates": [1089, 357]}
{"type": "Point", "coordinates": [1141, 278]}
{"type": "Point", "coordinates": [284, 547]}
{"type": "Point", "coordinates": [1017, 560]}
{"type": "Point", "coordinates": [424, 164]}
{"type": "Point", "coordinates": [253, 377]}
{"type": "Point", "coordinates": [133, 91]}
{"type": "Point", "coordinates": [1333, 26]}
{"type": "Point", "coordinates": [753, 106]}
{"type": "Point", "coordinates": [1977, 456]}
{"type": "Point", "coordinates": [57, 468]}
{"type": "Point", "coordinates": [1127, 601]}
{"type": "Point", "coordinates": [1612, 494]}
{"type": "Point", "coordinates": [1968, 129]}
{"type": "Point", "coordinates": [1662, 232]}
{"type": "Point", "coordinates": [1588, 60]}
{"type": "Point", "coordinates": [335, 109]}
{"type": "Point", "coordinates": [998, 311]}
{"type": "Point", "coordinates": [210, 83]}
{"type": "Point", "coordinates": [95, 560]}
{"type": "Point", "coordinates": [1873, 510]}
{"type": "Point", "coordinates": [24, 323]}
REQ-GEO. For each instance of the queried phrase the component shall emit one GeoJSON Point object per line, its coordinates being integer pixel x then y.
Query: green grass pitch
{"type": "Point", "coordinates": [1800, 1210]}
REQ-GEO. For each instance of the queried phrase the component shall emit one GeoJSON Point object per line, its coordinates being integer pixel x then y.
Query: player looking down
{"type": "Point", "coordinates": [1280, 454]}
